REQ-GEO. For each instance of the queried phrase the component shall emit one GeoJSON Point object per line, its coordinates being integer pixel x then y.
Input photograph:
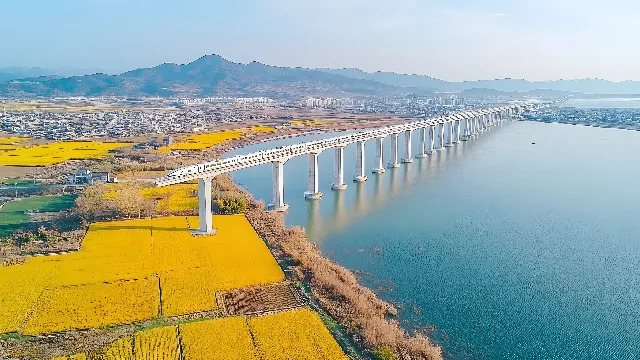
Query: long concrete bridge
{"type": "Point", "coordinates": [434, 134]}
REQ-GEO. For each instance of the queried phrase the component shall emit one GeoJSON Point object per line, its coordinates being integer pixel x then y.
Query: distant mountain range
{"type": "Point", "coordinates": [209, 75]}
{"type": "Point", "coordinates": [212, 75]}
{"type": "Point", "coordinates": [18, 72]}
{"type": "Point", "coordinates": [585, 86]}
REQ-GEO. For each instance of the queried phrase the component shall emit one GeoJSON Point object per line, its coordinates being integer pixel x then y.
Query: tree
{"type": "Point", "coordinates": [230, 205]}
{"type": "Point", "coordinates": [92, 202]}
{"type": "Point", "coordinates": [129, 202]}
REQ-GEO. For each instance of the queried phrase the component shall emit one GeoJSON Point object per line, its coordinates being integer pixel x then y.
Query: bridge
{"type": "Point", "coordinates": [434, 134]}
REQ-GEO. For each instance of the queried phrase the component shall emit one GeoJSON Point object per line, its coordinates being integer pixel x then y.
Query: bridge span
{"type": "Point", "coordinates": [434, 134]}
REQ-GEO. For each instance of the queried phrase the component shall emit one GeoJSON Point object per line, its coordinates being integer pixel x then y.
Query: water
{"type": "Point", "coordinates": [617, 103]}
{"type": "Point", "coordinates": [512, 250]}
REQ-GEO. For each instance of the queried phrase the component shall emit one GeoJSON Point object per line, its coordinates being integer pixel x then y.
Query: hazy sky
{"type": "Point", "coordinates": [448, 39]}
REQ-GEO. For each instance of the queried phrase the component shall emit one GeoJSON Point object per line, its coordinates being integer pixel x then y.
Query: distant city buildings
{"type": "Point", "coordinates": [329, 102]}
{"type": "Point", "coordinates": [127, 117]}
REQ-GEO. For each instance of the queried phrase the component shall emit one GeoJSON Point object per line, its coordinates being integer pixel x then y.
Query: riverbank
{"type": "Point", "coordinates": [370, 322]}
{"type": "Point", "coordinates": [368, 319]}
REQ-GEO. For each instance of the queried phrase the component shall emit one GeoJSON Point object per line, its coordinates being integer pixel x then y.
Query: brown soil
{"type": "Point", "coordinates": [16, 171]}
{"type": "Point", "coordinates": [261, 299]}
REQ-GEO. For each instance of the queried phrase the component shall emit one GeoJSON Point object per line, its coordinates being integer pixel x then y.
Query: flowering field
{"type": "Point", "coordinates": [12, 140]}
{"type": "Point", "coordinates": [296, 334]}
{"type": "Point", "coordinates": [20, 287]}
{"type": "Point", "coordinates": [174, 198]}
{"type": "Point", "coordinates": [219, 339]}
{"type": "Point", "coordinates": [205, 141]}
{"type": "Point", "coordinates": [49, 154]}
{"type": "Point", "coordinates": [157, 344]}
{"type": "Point", "coordinates": [94, 305]}
{"type": "Point", "coordinates": [114, 278]}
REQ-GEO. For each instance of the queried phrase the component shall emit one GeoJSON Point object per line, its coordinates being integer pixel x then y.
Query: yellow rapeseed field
{"type": "Point", "coordinates": [312, 122]}
{"type": "Point", "coordinates": [157, 344]}
{"type": "Point", "coordinates": [219, 339]}
{"type": "Point", "coordinates": [49, 154]}
{"type": "Point", "coordinates": [235, 257]}
{"type": "Point", "coordinates": [12, 140]}
{"type": "Point", "coordinates": [94, 305]}
{"type": "Point", "coordinates": [20, 287]}
{"type": "Point", "coordinates": [297, 334]}
{"type": "Point", "coordinates": [174, 198]}
{"type": "Point", "coordinates": [205, 141]}
{"type": "Point", "coordinates": [4, 148]}
{"type": "Point", "coordinates": [113, 279]}
{"type": "Point", "coordinates": [121, 349]}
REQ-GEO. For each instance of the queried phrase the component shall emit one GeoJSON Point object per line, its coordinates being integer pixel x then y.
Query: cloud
{"type": "Point", "coordinates": [499, 14]}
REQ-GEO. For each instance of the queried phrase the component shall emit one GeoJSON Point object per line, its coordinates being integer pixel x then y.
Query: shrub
{"type": "Point", "coordinates": [232, 205]}
{"type": "Point", "coordinates": [384, 353]}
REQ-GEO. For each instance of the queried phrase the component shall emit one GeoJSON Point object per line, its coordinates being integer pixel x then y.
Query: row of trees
{"type": "Point", "coordinates": [127, 200]}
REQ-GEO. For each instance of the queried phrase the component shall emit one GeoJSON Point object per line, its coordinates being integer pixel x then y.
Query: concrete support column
{"type": "Point", "coordinates": [312, 189]}
{"type": "Point", "coordinates": [423, 143]}
{"type": "Point", "coordinates": [432, 139]}
{"type": "Point", "coordinates": [278, 187]}
{"type": "Point", "coordinates": [393, 162]}
{"type": "Point", "coordinates": [475, 125]}
{"type": "Point", "coordinates": [407, 147]}
{"type": "Point", "coordinates": [450, 131]}
{"type": "Point", "coordinates": [360, 177]}
{"type": "Point", "coordinates": [204, 208]}
{"type": "Point", "coordinates": [458, 125]}
{"type": "Point", "coordinates": [379, 169]}
{"type": "Point", "coordinates": [441, 144]}
{"type": "Point", "coordinates": [338, 170]}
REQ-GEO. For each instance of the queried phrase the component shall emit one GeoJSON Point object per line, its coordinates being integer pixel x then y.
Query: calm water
{"type": "Point", "coordinates": [619, 103]}
{"type": "Point", "coordinates": [512, 250]}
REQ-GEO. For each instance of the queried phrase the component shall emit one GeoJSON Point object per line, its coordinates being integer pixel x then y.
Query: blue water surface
{"type": "Point", "coordinates": [522, 243]}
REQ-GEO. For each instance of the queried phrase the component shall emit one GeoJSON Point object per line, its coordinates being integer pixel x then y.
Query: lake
{"type": "Point", "coordinates": [617, 103]}
{"type": "Point", "coordinates": [512, 250]}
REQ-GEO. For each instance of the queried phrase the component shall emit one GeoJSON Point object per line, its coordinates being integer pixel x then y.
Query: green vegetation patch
{"type": "Point", "coordinates": [13, 215]}
{"type": "Point", "coordinates": [18, 181]}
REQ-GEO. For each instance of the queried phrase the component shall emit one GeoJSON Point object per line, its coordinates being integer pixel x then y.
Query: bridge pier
{"type": "Point", "coordinates": [312, 191]}
{"type": "Point", "coordinates": [360, 176]}
{"type": "Point", "coordinates": [379, 160]}
{"type": "Point", "coordinates": [394, 152]}
{"type": "Point", "coordinates": [450, 131]}
{"type": "Point", "coordinates": [338, 170]}
{"type": "Point", "coordinates": [204, 208]}
{"type": "Point", "coordinates": [458, 125]}
{"type": "Point", "coordinates": [423, 143]}
{"type": "Point", "coordinates": [278, 187]}
{"type": "Point", "coordinates": [432, 139]}
{"type": "Point", "coordinates": [441, 139]}
{"type": "Point", "coordinates": [407, 148]}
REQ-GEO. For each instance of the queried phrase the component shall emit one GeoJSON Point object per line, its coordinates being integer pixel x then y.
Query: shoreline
{"type": "Point", "coordinates": [364, 316]}
{"type": "Point", "coordinates": [364, 320]}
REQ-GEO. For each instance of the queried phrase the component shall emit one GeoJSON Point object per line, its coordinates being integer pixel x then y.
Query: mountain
{"type": "Point", "coordinates": [390, 78]}
{"type": "Point", "coordinates": [585, 86]}
{"type": "Point", "coordinates": [208, 75]}
{"type": "Point", "coordinates": [16, 72]}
